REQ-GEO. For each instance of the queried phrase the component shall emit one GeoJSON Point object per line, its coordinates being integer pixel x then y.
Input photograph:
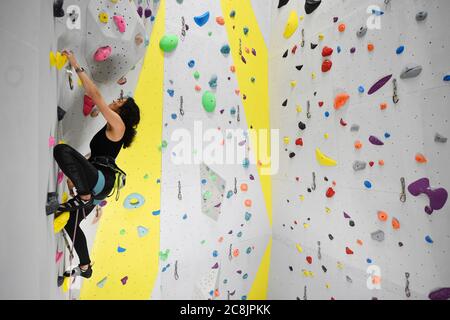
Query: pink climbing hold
{"type": "Point", "coordinates": [88, 105]}
{"type": "Point", "coordinates": [102, 53]}
{"type": "Point", "coordinates": [120, 23]}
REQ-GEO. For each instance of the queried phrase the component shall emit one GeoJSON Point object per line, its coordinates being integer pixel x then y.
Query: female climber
{"type": "Point", "coordinates": [96, 177]}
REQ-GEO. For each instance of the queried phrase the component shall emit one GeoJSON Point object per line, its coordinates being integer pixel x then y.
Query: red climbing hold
{"type": "Point", "coordinates": [309, 259]}
{"type": "Point", "coordinates": [327, 51]}
{"type": "Point", "coordinates": [299, 142]}
{"type": "Point", "coordinates": [348, 250]}
{"type": "Point", "coordinates": [326, 65]}
{"type": "Point", "coordinates": [330, 193]}
{"type": "Point", "coordinates": [343, 123]}
{"type": "Point", "coordinates": [294, 49]}
{"type": "Point", "coordinates": [88, 105]}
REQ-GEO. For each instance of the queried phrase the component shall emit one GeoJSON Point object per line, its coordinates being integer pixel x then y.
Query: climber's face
{"type": "Point", "coordinates": [117, 104]}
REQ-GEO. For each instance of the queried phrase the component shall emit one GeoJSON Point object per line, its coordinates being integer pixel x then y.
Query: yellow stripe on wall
{"type": "Point", "coordinates": [256, 104]}
{"type": "Point", "coordinates": [118, 225]}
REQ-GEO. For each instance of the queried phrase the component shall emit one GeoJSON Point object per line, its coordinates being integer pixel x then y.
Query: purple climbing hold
{"type": "Point", "coordinates": [346, 216]}
{"type": "Point", "coordinates": [379, 84]}
{"type": "Point", "coordinates": [438, 196]}
{"type": "Point", "coordinates": [440, 294]}
{"type": "Point", "coordinates": [375, 141]}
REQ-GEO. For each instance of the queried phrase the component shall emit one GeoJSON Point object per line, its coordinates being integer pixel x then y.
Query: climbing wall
{"type": "Point", "coordinates": [109, 39]}
{"type": "Point", "coordinates": [360, 92]}
{"type": "Point", "coordinates": [215, 227]}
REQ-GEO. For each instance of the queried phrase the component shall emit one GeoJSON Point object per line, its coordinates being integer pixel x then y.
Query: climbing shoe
{"type": "Point", "coordinates": [75, 204]}
{"type": "Point", "coordinates": [77, 271]}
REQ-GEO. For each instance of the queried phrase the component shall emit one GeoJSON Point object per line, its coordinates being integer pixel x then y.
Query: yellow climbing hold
{"type": "Point", "coordinates": [340, 265]}
{"type": "Point", "coordinates": [103, 17]}
{"type": "Point", "coordinates": [291, 25]}
{"type": "Point", "coordinates": [57, 60]}
{"type": "Point", "coordinates": [302, 18]}
{"type": "Point", "coordinates": [286, 140]}
{"type": "Point", "coordinates": [327, 285]}
{"type": "Point", "coordinates": [326, 136]}
{"type": "Point", "coordinates": [313, 75]}
{"type": "Point", "coordinates": [299, 248]}
{"type": "Point", "coordinates": [299, 108]}
{"type": "Point", "coordinates": [293, 84]}
{"type": "Point", "coordinates": [327, 210]}
{"type": "Point", "coordinates": [306, 225]}
{"type": "Point", "coordinates": [321, 36]}
{"type": "Point", "coordinates": [60, 222]}
{"type": "Point", "coordinates": [66, 284]}
{"type": "Point", "coordinates": [301, 197]}
{"type": "Point", "coordinates": [323, 160]}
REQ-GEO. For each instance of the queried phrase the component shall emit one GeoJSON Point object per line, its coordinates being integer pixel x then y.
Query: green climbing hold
{"type": "Point", "coordinates": [168, 43]}
{"type": "Point", "coordinates": [209, 101]}
{"type": "Point", "coordinates": [196, 75]}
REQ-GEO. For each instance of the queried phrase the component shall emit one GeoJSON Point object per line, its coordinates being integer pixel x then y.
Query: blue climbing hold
{"type": "Point", "coordinates": [400, 49]}
{"type": "Point", "coordinates": [120, 249]}
{"type": "Point", "coordinates": [229, 194]}
{"type": "Point", "coordinates": [387, 135]}
{"type": "Point", "coordinates": [225, 49]}
{"type": "Point", "coordinates": [213, 82]}
{"type": "Point", "coordinates": [191, 64]}
{"type": "Point", "coordinates": [156, 212]}
{"type": "Point", "coordinates": [361, 89]}
{"type": "Point", "coordinates": [173, 116]}
{"type": "Point", "coordinates": [171, 92]}
{"type": "Point", "coordinates": [369, 260]}
{"type": "Point", "coordinates": [133, 201]}
{"type": "Point", "coordinates": [202, 20]}
{"type": "Point", "coordinates": [327, 114]}
{"type": "Point", "coordinates": [215, 253]}
{"type": "Point", "coordinates": [184, 216]}
{"type": "Point", "coordinates": [447, 78]}
{"type": "Point", "coordinates": [428, 239]}
{"type": "Point", "coordinates": [368, 184]}
{"type": "Point", "coordinates": [248, 216]}
{"type": "Point", "coordinates": [246, 163]}
{"type": "Point", "coordinates": [142, 231]}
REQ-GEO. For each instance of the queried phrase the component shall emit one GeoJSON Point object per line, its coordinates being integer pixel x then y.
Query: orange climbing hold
{"type": "Point", "coordinates": [382, 216]}
{"type": "Point", "coordinates": [340, 100]}
{"type": "Point", "coordinates": [233, 69]}
{"type": "Point", "coordinates": [381, 162]}
{"type": "Point", "coordinates": [420, 158]}
{"type": "Point", "coordinates": [220, 21]}
{"type": "Point", "coordinates": [248, 203]}
{"type": "Point", "coordinates": [244, 187]}
{"type": "Point", "coordinates": [395, 224]}
{"type": "Point", "coordinates": [383, 106]}
{"type": "Point", "coordinates": [358, 145]}
{"type": "Point", "coordinates": [359, 242]}
{"type": "Point", "coordinates": [235, 253]}
{"type": "Point", "coordinates": [370, 47]}
{"type": "Point", "coordinates": [342, 27]}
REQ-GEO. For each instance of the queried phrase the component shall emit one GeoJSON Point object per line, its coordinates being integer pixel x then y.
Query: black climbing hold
{"type": "Point", "coordinates": [330, 236]}
{"type": "Point", "coordinates": [58, 11]}
{"type": "Point", "coordinates": [286, 54]}
{"type": "Point", "coordinates": [299, 67]}
{"type": "Point", "coordinates": [60, 281]}
{"type": "Point", "coordinates": [324, 269]}
{"type": "Point", "coordinates": [400, 244]}
{"type": "Point", "coordinates": [291, 155]}
{"type": "Point", "coordinates": [282, 3]}
{"type": "Point", "coordinates": [52, 203]}
{"type": "Point", "coordinates": [352, 223]}
{"type": "Point", "coordinates": [312, 5]}
{"type": "Point", "coordinates": [61, 113]}
{"type": "Point", "coordinates": [313, 45]}
{"type": "Point", "coordinates": [290, 268]}
{"type": "Point", "coordinates": [285, 103]}
{"type": "Point", "coordinates": [301, 125]}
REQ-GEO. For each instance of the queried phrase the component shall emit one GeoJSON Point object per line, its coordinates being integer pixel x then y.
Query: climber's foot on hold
{"type": "Point", "coordinates": [76, 203]}
{"type": "Point", "coordinates": [84, 271]}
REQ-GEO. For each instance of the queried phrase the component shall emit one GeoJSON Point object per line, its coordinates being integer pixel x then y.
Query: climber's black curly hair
{"type": "Point", "coordinates": [131, 116]}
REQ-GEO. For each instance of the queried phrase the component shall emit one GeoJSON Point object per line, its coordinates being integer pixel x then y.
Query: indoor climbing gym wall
{"type": "Point", "coordinates": [110, 39]}
{"type": "Point", "coordinates": [215, 206]}
{"type": "Point", "coordinates": [360, 92]}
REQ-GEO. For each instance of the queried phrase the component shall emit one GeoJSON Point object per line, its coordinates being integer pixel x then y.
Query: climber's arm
{"type": "Point", "coordinates": [113, 119]}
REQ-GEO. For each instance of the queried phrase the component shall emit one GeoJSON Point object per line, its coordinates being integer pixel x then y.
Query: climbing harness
{"type": "Point", "coordinates": [121, 176]}
{"type": "Point", "coordinates": [407, 291]}
{"type": "Point", "coordinates": [395, 96]}
{"type": "Point", "coordinates": [175, 275]}
{"type": "Point", "coordinates": [403, 193]}
{"type": "Point", "coordinates": [180, 196]}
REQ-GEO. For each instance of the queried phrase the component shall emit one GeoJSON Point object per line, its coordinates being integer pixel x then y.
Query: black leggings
{"type": "Point", "coordinates": [84, 176]}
